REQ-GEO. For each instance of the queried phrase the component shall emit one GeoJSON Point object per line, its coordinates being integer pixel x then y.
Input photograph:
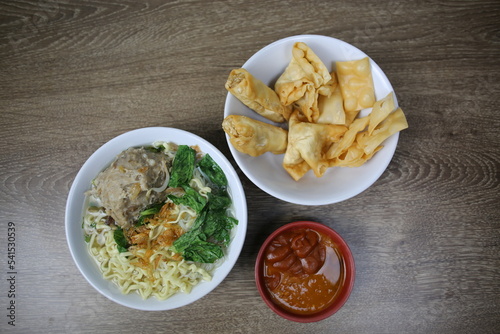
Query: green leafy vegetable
{"type": "Point", "coordinates": [155, 149]}
{"type": "Point", "coordinates": [222, 233]}
{"type": "Point", "coordinates": [191, 198]}
{"type": "Point", "coordinates": [182, 166]}
{"type": "Point", "coordinates": [120, 240]}
{"type": "Point", "coordinates": [203, 252]}
{"type": "Point", "coordinates": [219, 199]}
{"type": "Point", "coordinates": [152, 210]}
{"type": "Point", "coordinates": [192, 236]}
{"type": "Point", "coordinates": [213, 171]}
{"type": "Point", "coordinates": [210, 231]}
{"type": "Point", "coordinates": [213, 223]}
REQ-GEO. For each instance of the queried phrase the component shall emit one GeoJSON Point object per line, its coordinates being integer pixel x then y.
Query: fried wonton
{"type": "Point", "coordinates": [310, 142]}
{"type": "Point", "coordinates": [302, 78]}
{"type": "Point", "coordinates": [356, 84]}
{"type": "Point", "coordinates": [308, 104]}
{"type": "Point", "coordinates": [395, 122]}
{"type": "Point", "coordinates": [328, 88]}
{"type": "Point", "coordinates": [348, 138]}
{"type": "Point", "coordinates": [254, 137]}
{"type": "Point", "coordinates": [354, 156]}
{"type": "Point", "coordinates": [322, 109]}
{"type": "Point", "coordinates": [313, 67]}
{"type": "Point", "coordinates": [256, 95]}
{"type": "Point", "coordinates": [350, 116]}
{"type": "Point", "coordinates": [293, 162]}
{"type": "Point", "coordinates": [331, 108]}
{"type": "Point", "coordinates": [381, 109]}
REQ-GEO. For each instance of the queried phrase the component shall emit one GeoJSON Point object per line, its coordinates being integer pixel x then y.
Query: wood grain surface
{"type": "Point", "coordinates": [425, 236]}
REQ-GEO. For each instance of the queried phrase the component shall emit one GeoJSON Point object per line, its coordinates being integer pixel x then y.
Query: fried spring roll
{"type": "Point", "coordinates": [256, 95]}
{"type": "Point", "coordinates": [254, 137]}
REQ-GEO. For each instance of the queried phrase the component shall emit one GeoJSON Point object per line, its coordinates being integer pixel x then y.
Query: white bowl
{"type": "Point", "coordinates": [75, 206]}
{"type": "Point", "coordinates": [266, 171]}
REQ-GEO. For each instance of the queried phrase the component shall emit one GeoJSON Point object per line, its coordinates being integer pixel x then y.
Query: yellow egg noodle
{"type": "Point", "coordinates": [150, 271]}
{"type": "Point", "coordinates": [168, 278]}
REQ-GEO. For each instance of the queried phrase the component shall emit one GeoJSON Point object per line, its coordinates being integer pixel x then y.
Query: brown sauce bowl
{"type": "Point", "coordinates": [304, 271]}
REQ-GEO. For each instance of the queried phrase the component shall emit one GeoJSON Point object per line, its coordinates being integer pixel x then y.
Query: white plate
{"type": "Point", "coordinates": [266, 171]}
{"type": "Point", "coordinates": [75, 206]}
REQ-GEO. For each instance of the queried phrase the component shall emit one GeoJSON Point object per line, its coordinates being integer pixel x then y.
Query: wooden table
{"type": "Point", "coordinates": [425, 236]}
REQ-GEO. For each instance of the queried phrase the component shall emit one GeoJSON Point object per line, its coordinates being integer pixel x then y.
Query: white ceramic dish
{"type": "Point", "coordinates": [75, 206]}
{"type": "Point", "coordinates": [266, 172]}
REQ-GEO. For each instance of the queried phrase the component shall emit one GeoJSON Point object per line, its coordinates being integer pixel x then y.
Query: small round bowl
{"type": "Point", "coordinates": [347, 263]}
{"type": "Point", "coordinates": [266, 171]}
{"type": "Point", "coordinates": [99, 160]}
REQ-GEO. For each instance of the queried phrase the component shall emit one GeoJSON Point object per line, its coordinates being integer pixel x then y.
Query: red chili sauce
{"type": "Point", "coordinates": [303, 271]}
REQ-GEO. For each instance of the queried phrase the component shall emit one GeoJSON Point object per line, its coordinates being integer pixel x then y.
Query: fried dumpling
{"type": "Point", "coordinates": [381, 109]}
{"type": "Point", "coordinates": [395, 122]}
{"type": "Point", "coordinates": [254, 137]}
{"type": "Point", "coordinates": [356, 84]}
{"type": "Point", "coordinates": [348, 138]}
{"type": "Point", "coordinates": [312, 66]}
{"type": "Point", "coordinates": [293, 162]}
{"type": "Point", "coordinates": [302, 79]}
{"type": "Point", "coordinates": [310, 141]}
{"type": "Point", "coordinates": [354, 156]}
{"type": "Point", "coordinates": [317, 102]}
{"type": "Point", "coordinates": [328, 88]}
{"type": "Point", "coordinates": [331, 107]}
{"type": "Point", "coordinates": [256, 95]}
{"type": "Point", "coordinates": [308, 104]}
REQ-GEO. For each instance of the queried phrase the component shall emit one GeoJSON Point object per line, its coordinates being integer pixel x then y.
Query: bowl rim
{"type": "Point", "coordinates": [348, 263]}
{"type": "Point", "coordinates": [139, 137]}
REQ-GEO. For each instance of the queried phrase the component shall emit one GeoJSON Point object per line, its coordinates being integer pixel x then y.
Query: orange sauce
{"type": "Point", "coordinates": [303, 271]}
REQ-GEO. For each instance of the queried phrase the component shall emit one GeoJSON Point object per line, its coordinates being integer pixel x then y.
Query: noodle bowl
{"type": "Point", "coordinates": [149, 266]}
{"type": "Point", "coordinates": [146, 269]}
